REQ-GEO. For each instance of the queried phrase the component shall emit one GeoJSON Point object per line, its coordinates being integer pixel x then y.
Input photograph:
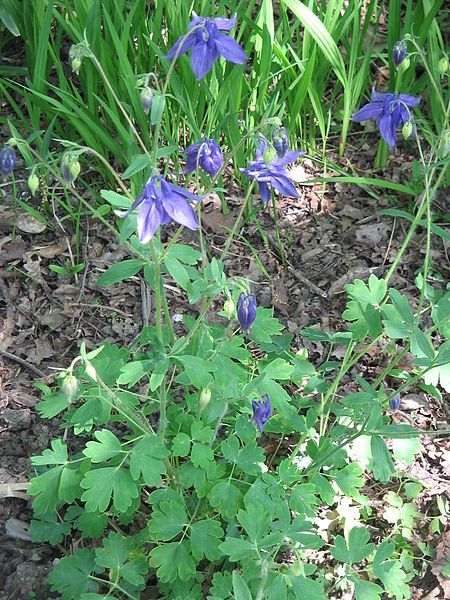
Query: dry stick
{"type": "Point", "coordinates": [23, 362]}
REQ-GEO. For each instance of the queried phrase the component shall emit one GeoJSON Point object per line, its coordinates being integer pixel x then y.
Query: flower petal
{"type": "Point", "coordinates": [388, 130]}
{"type": "Point", "coordinates": [289, 157]}
{"type": "Point", "coordinates": [180, 211]}
{"type": "Point", "coordinates": [203, 57]}
{"type": "Point", "coordinates": [410, 101]}
{"type": "Point", "coordinates": [148, 221]}
{"type": "Point", "coordinates": [230, 49]}
{"type": "Point", "coordinates": [283, 185]}
{"type": "Point", "coordinates": [264, 191]}
{"type": "Point", "coordinates": [225, 24]}
{"type": "Point", "coordinates": [372, 110]}
{"type": "Point", "coordinates": [181, 47]}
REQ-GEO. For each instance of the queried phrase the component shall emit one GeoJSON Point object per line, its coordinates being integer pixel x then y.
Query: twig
{"type": "Point", "coordinates": [23, 362]}
{"type": "Point", "coordinates": [110, 308]}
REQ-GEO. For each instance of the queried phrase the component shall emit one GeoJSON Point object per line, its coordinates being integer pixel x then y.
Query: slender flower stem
{"type": "Point", "coordinates": [157, 275]}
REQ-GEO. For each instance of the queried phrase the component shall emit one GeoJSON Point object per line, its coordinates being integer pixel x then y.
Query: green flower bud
{"type": "Point", "coordinates": [70, 168]}
{"type": "Point", "coordinates": [146, 99]}
{"type": "Point", "coordinates": [407, 130]}
{"type": "Point", "coordinates": [70, 387]}
{"type": "Point", "coordinates": [443, 65]}
{"type": "Point", "coordinates": [33, 183]}
{"type": "Point", "coordinates": [76, 54]}
{"type": "Point", "coordinates": [229, 308]}
{"type": "Point", "coordinates": [269, 155]}
{"type": "Point", "coordinates": [404, 65]}
{"type": "Point", "coordinates": [205, 399]}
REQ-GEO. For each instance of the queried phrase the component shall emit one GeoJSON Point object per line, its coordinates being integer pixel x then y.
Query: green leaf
{"type": "Point", "coordinates": [237, 549]}
{"type": "Point", "coordinates": [92, 524]}
{"type": "Point", "coordinates": [181, 444]}
{"type": "Point", "coordinates": [157, 110]}
{"type": "Point", "coordinates": [109, 482]}
{"type": "Point", "coordinates": [51, 405]}
{"type": "Point", "coordinates": [366, 590]}
{"type": "Point", "coordinates": [158, 373]}
{"type": "Point", "coordinates": [390, 571]}
{"type": "Point", "coordinates": [303, 499]}
{"type": "Point", "coordinates": [381, 464]}
{"type": "Point", "coordinates": [46, 489]}
{"type": "Point", "coordinates": [114, 555]}
{"type": "Point", "coordinates": [255, 520]}
{"type": "Point", "coordinates": [49, 531]}
{"type": "Point", "coordinates": [321, 36]}
{"type": "Point", "coordinates": [412, 490]}
{"type": "Point", "coordinates": [120, 271]}
{"type": "Point", "coordinates": [250, 458]}
{"type": "Point", "coordinates": [134, 371]}
{"type": "Point", "coordinates": [8, 21]}
{"type": "Point", "coordinates": [107, 447]}
{"type": "Point", "coordinates": [357, 548]}
{"type": "Point", "coordinates": [116, 200]}
{"type": "Point", "coordinates": [167, 521]}
{"type": "Point", "coordinates": [173, 560]}
{"type": "Point", "coordinates": [240, 588]}
{"type": "Point", "coordinates": [198, 370]}
{"type": "Point", "coordinates": [420, 344]}
{"type": "Point", "coordinates": [147, 460]}
{"type": "Point", "coordinates": [71, 574]}
{"type": "Point", "coordinates": [178, 272]}
{"type": "Point", "coordinates": [306, 588]}
{"type": "Point", "coordinates": [265, 326]}
{"type": "Point", "coordinates": [350, 479]}
{"type": "Point", "coordinates": [226, 497]}
{"type": "Point", "coordinates": [406, 449]}
{"type": "Point", "coordinates": [57, 455]}
{"type": "Point", "coordinates": [201, 455]}
{"type": "Point", "coordinates": [279, 369]}
{"type": "Point", "coordinates": [205, 536]}
{"type": "Point", "coordinates": [138, 163]}
{"type": "Point", "coordinates": [185, 254]}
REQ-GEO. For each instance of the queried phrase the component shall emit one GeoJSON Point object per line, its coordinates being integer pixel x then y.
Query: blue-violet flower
{"type": "Point", "coordinates": [272, 173]}
{"type": "Point", "coordinates": [207, 154]}
{"type": "Point", "coordinates": [261, 411]}
{"type": "Point", "coordinates": [159, 203]}
{"type": "Point", "coordinates": [7, 160]}
{"type": "Point", "coordinates": [390, 110]}
{"type": "Point", "coordinates": [207, 44]}
{"type": "Point", "coordinates": [399, 52]}
{"type": "Point", "coordinates": [280, 141]}
{"type": "Point", "coordinates": [246, 310]}
{"type": "Point", "coordinates": [394, 403]}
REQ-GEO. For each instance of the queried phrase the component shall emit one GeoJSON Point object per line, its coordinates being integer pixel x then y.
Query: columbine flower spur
{"type": "Point", "coordinates": [271, 171]}
{"type": "Point", "coordinates": [207, 44]}
{"type": "Point", "coordinates": [261, 411]}
{"type": "Point", "coordinates": [207, 154]}
{"type": "Point", "coordinates": [159, 203]}
{"type": "Point", "coordinates": [390, 111]}
{"type": "Point", "coordinates": [246, 311]}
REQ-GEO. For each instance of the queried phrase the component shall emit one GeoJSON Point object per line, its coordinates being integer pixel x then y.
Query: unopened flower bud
{"type": "Point", "coordinates": [246, 311]}
{"type": "Point", "coordinates": [399, 52]}
{"type": "Point", "coordinates": [404, 66]}
{"type": "Point", "coordinates": [146, 99]}
{"type": "Point", "coordinates": [33, 183]}
{"type": "Point", "coordinates": [229, 308]}
{"type": "Point", "coordinates": [443, 65]}
{"type": "Point", "coordinates": [269, 155]}
{"type": "Point", "coordinates": [394, 403]}
{"type": "Point", "coordinates": [7, 160]}
{"type": "Point", "coordinates": [76, 53]}
{"type": "Point", "coordinates": [205, 399]}
{"type": "Point", "coordinates": [407, 130]}
{"type": "Point", "coordinates": [280, 141]}
{"type": "Point", "coordinates": [70, 168]}
{"type": "Point", "coordinates": [70, 387]}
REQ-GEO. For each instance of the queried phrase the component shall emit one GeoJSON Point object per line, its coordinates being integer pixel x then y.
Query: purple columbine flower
{"type": "Point", "coordinates": [269, 171]}
{"type": "Point", "coordinates": [261, 411]}
{"type": "Point", "coordinates": [159, 203]}
{"type": "Point", "coordinates": [390, 110]}
{"type": "Point", "coordinates": [7, 160]}
{"type": "Point", "coordinates": [399, 52]}
{"type": "Point", "coordinates": [246, 310]}
{"type": "Point", "coordinates": [207, 154]}
{"type": "Point", "coordinates": [394, 403]}
{"type": "Point", "coordinates": [207, 44]}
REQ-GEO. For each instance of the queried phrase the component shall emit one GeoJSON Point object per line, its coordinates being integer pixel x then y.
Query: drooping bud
{"type": "Point", "coordinates": [7, 160]}
{"type": "Point", "coordinates": [280, 141]}
{"type": "Point", "coordinates": [246, 310]}
{"type": "Point", "coordinates": [407, 129]}
{"type": "Point", "coordinates": [205, 399]}
{"type": "Point", "coordinates": [70, 168]}
{"type": "Point", "coordinates": [394, 403]}
{"type": "Point", "coordinates": [70, 387]}
{"type": "Point", "coordinates": [33, 183]}
{"type": "Point", "coordinates": [146, 99]}
{"type": "Point", "coordinates": [443, 65]}
{"type": "Point", "coordinates": [76, 54]}
{"type": "Point", "coordinates": [229, 308]}
{"type": "Point", "coordinates": [261, 411]}
{"type": "Point", "coordinates": [399, 52]}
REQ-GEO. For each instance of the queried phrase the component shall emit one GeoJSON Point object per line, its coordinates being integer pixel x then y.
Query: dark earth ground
{"type": "Point", "coordinates": [330, 238]}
